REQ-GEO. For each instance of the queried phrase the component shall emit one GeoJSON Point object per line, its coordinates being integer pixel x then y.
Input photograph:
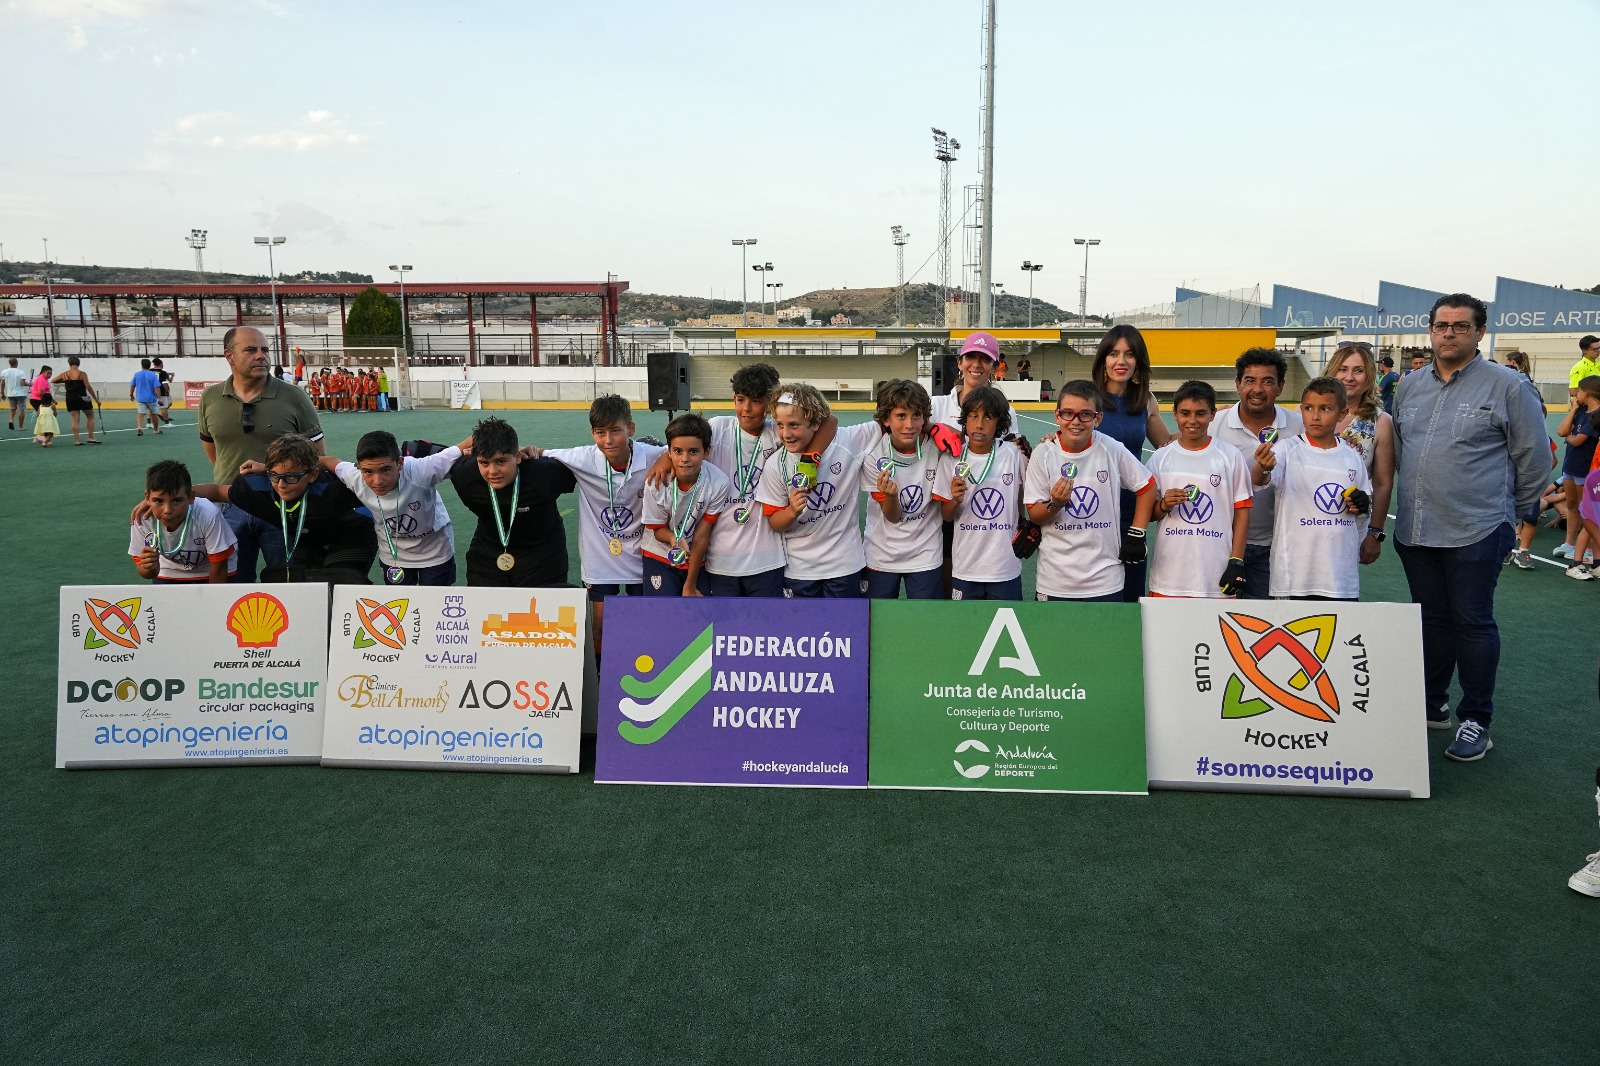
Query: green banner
{"type": "Point", "coordinates": [1045, 697]}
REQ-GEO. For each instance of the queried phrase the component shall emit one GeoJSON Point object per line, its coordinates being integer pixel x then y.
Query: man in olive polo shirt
{"type": "Point", "coordinates": [1587, 366]}
{"type": "Point", "coordinates": [238, 419]}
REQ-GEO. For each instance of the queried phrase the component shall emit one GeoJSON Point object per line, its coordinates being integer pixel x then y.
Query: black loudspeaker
{"type": "Point", "coordinates": [945, 371]}
{"type": "Point", "coordinates": [667, 374]}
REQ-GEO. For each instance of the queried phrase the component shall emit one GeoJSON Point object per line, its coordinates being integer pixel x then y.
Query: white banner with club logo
{"type": "Point", "coordinates": [1285, 696]}
{"type": "Point", "coordinates": [458, 678]}
{"type": "Point", "coordinates": [190, 675]}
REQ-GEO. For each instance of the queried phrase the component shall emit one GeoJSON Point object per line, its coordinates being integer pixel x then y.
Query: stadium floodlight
{"type": "Point", "coordinates": [744, 294]}
{"type": "Point", "coordinates": [196, 240]}
{"type": "Point", "coordinates": [405, 338]}
{"type": "Point", "coordinates": [763, 269]}
{"type": "Point", "coordinates": [1032, 268]}
{"type": "Point", "coordinates": [272, 278]}
{"type": "Point", "coordinates": [1083, 286]}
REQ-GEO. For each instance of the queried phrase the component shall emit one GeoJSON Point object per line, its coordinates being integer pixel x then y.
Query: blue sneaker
{"type": "Point", "coordinates": [1471, 743]}
{"type": "Point", "coordinates": [1439, 717]}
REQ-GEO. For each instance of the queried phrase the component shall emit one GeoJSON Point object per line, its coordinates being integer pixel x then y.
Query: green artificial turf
{"type": "Point", "coordinates": [316, 915]}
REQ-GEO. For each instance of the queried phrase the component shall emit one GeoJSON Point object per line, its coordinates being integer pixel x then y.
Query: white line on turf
{"type": "Point", "coordinates": [66, 437]}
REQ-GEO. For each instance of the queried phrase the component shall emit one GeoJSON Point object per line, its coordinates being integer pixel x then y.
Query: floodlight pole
{"type": "Point", "coordinates": [401, 270]}
{"type": "Point", "coordinates": [272, 271]}
{"type": "Point", "coordinates": [744, 294]}
{"type": "Point", "coordinates": [1032, 268]}
{"type": "Point", "coordinates": [197, 241]}
{"type": "Point", "coordinates": [986, 235]}
{"type": "Point", "coordinates": [49, 304]}
{"type": "Point", "coordinates": [1083, 285]}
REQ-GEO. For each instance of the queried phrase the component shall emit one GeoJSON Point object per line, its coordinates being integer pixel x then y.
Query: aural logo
{"type": "Point", "coordinates": [653, 705]}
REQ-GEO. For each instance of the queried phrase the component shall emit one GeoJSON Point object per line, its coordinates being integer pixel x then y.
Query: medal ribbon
{"type": "Point", "coordinates": [681, 525]}
{"type": "Point", "coordinates": [300, 526]}
{"type": "Point", "coordinates": [183, 535]}
{"type": "Point", "coordinates": [891, 452]}
{"type": "Point", "coordinates": [383, 520]}
{"type": "Point", "coordinates": [744, 474]}
{"type": "Point", "coordinates": [494, 505]}
{"type": "Point", "coordinates": [612, 525]}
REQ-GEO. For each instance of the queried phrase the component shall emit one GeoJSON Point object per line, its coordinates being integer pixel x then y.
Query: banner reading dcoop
{"type": "Point", "coordinates": [174, 675]}
{"type": "Point", "coordinates": [1038, 697]}
{"type": "Point", "coordinates": [1285, 696]}
{"type": "Point", "coordinates": [435, 678]}
{"type": "Point", "coordinates": [734, 692]}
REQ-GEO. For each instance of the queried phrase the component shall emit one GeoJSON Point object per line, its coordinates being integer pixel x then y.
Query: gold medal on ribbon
{"type": "Point", "coordinates": [505, 561]}
{"type": "Point", "coordinates": [615, 547]}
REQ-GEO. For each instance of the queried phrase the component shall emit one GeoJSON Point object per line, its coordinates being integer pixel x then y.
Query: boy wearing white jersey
{"type": "Point", "coordinates": [981, 492]}
{"type": "Point", "coordinates": [903, 540]}
{"type": "Point", "coordinates": [1073, 490]}
{"type": "Point", "coordinates": [811, 498]}
{"type": "Point", "coordinates": [186, 540]}
{"type": "Point", "coordinates": [1200, 539]}
{"type": "Point", "coordinates": [681, 513]}
{"type": "Point", "coordinates": [416, 543]}
{"type": "Point", "coordinates": [1322, 489]}
{"type": "Point", "coordinates": [610, 475]}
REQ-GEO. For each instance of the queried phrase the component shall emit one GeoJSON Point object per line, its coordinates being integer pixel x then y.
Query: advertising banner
{"type": "Point", "coordinates": [1524, 307]}
{"type": "Point", "coordinates": [466, 394]}
{"type": "Point", "coordinates": [1042, 697]}
{"type": "Point", "coordinates": [1285, 696]}
{"type": "Point", "coordinates": [734, 692]}
{"type": "Point", "coordinates": [454, 678]}
{"type": "Point", "coordinates": [192, 391]}
{"type": "Point", "coordinates": [190, 675]}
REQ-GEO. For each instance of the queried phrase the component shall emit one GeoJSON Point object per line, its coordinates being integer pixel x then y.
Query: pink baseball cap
{"type": "Point", "coordinates": [983, 344]}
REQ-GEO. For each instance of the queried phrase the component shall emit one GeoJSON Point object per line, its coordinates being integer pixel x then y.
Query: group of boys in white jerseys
{"type": "Point", "coordinates": [765, 502]}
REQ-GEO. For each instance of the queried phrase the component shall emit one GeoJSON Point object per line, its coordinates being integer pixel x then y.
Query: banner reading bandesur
{"type": "Point", "coordinates": [190, 675]}
{"type": "Point", "coordinates": [448, 678]}
{"type": "Point", "coordinates": [1043, 697]}
{"type": "Point", "coordinates": [734, 692]}
{"type": "Point", "coordinates": [1285, 696]}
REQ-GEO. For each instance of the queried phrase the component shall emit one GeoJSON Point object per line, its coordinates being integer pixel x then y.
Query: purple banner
{"type": "Point", "coordinates": [734, 692]}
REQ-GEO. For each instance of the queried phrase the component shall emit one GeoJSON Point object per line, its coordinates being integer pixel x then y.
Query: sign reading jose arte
{"type": "Point", "coordinates": [436, 678]}
{"type": "Point", "coordinates": [734, 692]}
{"type": "Point", "coordinates": [1042, 697]}
{"type": "Point", "coordinates": [167, 675]}
{"type": "Point", "coordinates": [1285, 696]}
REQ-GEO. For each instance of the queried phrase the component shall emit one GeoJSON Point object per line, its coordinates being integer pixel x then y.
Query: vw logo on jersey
{"type": "Point", "coordinates": [401, 525]}
{"type": "Point", "coordinates": [1330, 498]}
{"type": "Point", "coordinates": [911, 500]}
{"type": "Point", "coordinates": [615, 517]}
{"type": "Point", "coordinates": [1196, 512]}
{"type": "Point", "coordinates": [187, 559]}
{"type": "Point", "coordinates": [988, 503]}
{"type": "Point", "coordinates": [822, 495]}
{"type": "Point", "coordinates": [1084, 503]}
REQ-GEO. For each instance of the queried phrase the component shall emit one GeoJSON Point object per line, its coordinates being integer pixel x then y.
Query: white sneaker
{"type": "Point", "coordinates": [1587, 880]}
{"type": "Point", "coordinates": [1565, 551]}
{"type": "Point", "coordinates": [1588, 558]}
{"type": "Point", "coordinates": [1580, 573]}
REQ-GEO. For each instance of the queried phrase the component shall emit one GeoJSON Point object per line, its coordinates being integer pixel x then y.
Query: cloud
{"type": "Point", "coordinates": [79, 15]}
{"type": "Point", "coordinates": [293, 219]}
{"type": "Point", "coordinates": [226, 130]}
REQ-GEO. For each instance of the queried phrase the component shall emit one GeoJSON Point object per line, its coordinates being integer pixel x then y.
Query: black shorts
{"type": "Point", "coordinates": [81, 404]}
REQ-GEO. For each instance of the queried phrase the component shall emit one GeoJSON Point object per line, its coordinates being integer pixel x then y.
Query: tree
{"type": "Point", "coordinates": [373, 321]}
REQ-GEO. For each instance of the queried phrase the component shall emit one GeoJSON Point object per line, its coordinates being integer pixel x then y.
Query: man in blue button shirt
{"type": "Point", "coordinates": [1471, 454]}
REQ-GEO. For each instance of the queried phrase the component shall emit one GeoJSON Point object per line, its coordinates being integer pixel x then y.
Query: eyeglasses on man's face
{"type": "Point", "coordinates": [1458, 328]}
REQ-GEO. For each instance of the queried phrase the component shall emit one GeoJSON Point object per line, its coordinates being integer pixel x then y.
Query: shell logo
{"type": "Point", "coordinates": [257, 620]}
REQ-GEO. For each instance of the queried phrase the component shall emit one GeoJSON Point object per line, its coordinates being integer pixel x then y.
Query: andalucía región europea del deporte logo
{"type": "Point", "coordinates": [654, 705]}
{"type": "Point", "coordinates": [1286, 664]}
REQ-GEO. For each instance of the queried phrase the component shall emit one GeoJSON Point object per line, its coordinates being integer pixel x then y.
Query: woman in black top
{"type": "Point", "coordinates": [80, 397]}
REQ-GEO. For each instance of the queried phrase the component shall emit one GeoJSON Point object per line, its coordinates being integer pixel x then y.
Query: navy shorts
{"type": "Point", "coordinates": [988, 590]}
{"type": "Point", "coordinates": [848, 587]}
{"type": "Point", "coordinates": [598, 593]}
{"type": "Point", "coordinates": [766, 583]}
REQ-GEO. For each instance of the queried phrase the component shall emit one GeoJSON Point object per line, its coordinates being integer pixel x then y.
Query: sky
{"type": "Point", "coordinates": [1220, 146]}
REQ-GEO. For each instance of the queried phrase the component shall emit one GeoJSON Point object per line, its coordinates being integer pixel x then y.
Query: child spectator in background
{"type": "Point", "coordinates": [1579, 431]}
{"type": "Point", "coordinates": [1322, 487]}
{"type": "Point", "coordinates": [44, 421]}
